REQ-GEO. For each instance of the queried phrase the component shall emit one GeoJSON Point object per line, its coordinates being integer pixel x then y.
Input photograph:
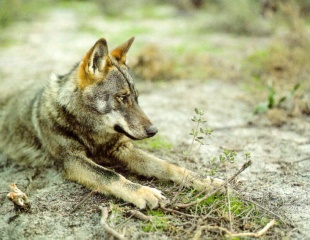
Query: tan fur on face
{"type": "Point", "coordinates": [87, 74]}
{"type": "Point", "coordinates": [120, 52]}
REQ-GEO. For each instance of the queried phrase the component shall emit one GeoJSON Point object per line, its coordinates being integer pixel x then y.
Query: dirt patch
{"type": "Point", "coordinates": [279, 175]}
{"type": "Point", "coordinates": [278, 179]}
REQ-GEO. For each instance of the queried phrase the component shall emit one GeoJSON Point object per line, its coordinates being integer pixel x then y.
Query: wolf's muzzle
{"type": "Point", "coordinates": [151, 131]}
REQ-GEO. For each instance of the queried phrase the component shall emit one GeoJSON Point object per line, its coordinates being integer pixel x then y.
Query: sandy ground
{"type": "Point", "coordinates": [277, 179]}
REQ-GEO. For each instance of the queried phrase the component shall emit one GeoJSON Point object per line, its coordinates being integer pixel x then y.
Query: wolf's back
{"type": "Point", "coordinates": [18, 138]}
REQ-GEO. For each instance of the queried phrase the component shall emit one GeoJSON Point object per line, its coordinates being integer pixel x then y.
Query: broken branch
{"type": "Point", "coordinates": [230, 234]}
{"type": "Point", "coordinates": [83, 200]}
{"type": "Point", "coordinates": [178, 212]}
{"type": "Point", "coordinates": [106, 227]}
{"type": "Point", "coordinates": [140, 215]}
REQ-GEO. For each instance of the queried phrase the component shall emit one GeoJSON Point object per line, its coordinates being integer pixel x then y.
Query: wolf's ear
{"type": "Point", "coordinates": [94, 63]}
{"type": "Point", "coordinates": [97, 57]}
{"type": "Point", "coordinates": [120, 52]}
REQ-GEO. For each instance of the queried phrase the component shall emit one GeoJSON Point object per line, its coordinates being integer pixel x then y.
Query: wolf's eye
{"type": "Point", "coordinates": [123, 98]}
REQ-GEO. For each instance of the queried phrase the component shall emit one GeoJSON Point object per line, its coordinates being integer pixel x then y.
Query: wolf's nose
{"type": "Point", "coordinates": [151, 131]}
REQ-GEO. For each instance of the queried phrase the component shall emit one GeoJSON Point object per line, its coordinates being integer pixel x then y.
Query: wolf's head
{"type": "Point", "coordinates": [108, 89]}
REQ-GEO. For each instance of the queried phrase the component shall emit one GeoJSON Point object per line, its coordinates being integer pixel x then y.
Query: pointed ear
{"type": "Point", "coordinates": [94, 64]}
{"type": "Point", "coordinates": [120, 52]}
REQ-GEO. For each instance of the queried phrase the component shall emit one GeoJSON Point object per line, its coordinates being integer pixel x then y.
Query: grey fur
{"type": "Point", "coordinates": [84, 121]}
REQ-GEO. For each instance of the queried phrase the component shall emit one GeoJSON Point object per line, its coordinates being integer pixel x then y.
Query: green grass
{"type": "Point", "coordinates": [155, 143]}
{"type": "Point", "coordinates": [159, 222]}
{"type": "Point", "coordinates": [246, 217]}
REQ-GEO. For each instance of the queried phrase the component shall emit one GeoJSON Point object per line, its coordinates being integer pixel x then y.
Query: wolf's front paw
{"type": "Point", "coordinates": [147, 197]}
{"type": "Point", "coordinates": [208, 183]}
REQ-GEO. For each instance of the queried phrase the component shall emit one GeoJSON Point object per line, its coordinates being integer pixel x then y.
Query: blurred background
{"type": "Point", "coordinates": [261, 45]}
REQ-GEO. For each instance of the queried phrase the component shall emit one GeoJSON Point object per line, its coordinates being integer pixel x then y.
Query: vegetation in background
{"type": "Point", "coordinates": [241, 17]}
{"type": "Point", "coordinates": [284, 65]}
{"type": "Point", "coordinates": [287, 56]}
{"type": "Point", "coordinates": [20, 10]}
{"type": "Point", "coordinates": [275, 101]}
{"type": "Point", "coordinates": [9, 10]}
{"type": "Point", "coordinates": [140, 8]}
{"type": "Point", "coordinates": [152, 63]}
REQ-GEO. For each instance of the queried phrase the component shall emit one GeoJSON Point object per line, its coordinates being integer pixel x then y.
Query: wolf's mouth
{"type": "Point", "coordinates": [119, 129]}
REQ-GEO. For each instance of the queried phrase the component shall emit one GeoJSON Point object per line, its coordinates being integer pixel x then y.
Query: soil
{"type": "Point", "coordinates": [279, 178]}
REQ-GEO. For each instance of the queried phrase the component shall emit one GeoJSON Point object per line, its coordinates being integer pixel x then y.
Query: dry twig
{"type": "Point", "coordinates": [83, 200]}
{"type": "Point", "coordinates": [19, 199]}
{"type": "Point", "coordinates": [139, 215]}
{"type": "Point", "coordinates": [106, 227]}
{"type": "Point", "coordinates": [244, 166]}
{"type": "Point", "coordinates": [178, 212]}
{"type": "Point", "coordinates": [302, 160]}
{"type": "Point", "coordinates": [230, 234]}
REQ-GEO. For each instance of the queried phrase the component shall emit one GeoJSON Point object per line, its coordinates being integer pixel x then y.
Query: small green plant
{"type": "Point", "coordinates": [273, 101]}
{"type": "Point", "coordinates": [200, 132]}
{"type": "Point", "coordinates": [239, 207]}
{"type": "Point", "coordinates": [159, 222]}
{"type": "Point", "coordinates": [215, 163]}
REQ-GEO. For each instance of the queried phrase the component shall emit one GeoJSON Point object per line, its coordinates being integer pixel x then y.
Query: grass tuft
{"type": "Point", "coordinates": [155, 143]}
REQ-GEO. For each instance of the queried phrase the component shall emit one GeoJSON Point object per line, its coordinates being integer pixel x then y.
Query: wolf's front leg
{"type": "Point", "coordinates": [145, 164]}
{"type": "Point", "coordinates": [93, 176]}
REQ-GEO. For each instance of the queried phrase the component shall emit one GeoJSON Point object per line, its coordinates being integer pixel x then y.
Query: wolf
{"type": "Point", "coordinates": [84, 122]}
